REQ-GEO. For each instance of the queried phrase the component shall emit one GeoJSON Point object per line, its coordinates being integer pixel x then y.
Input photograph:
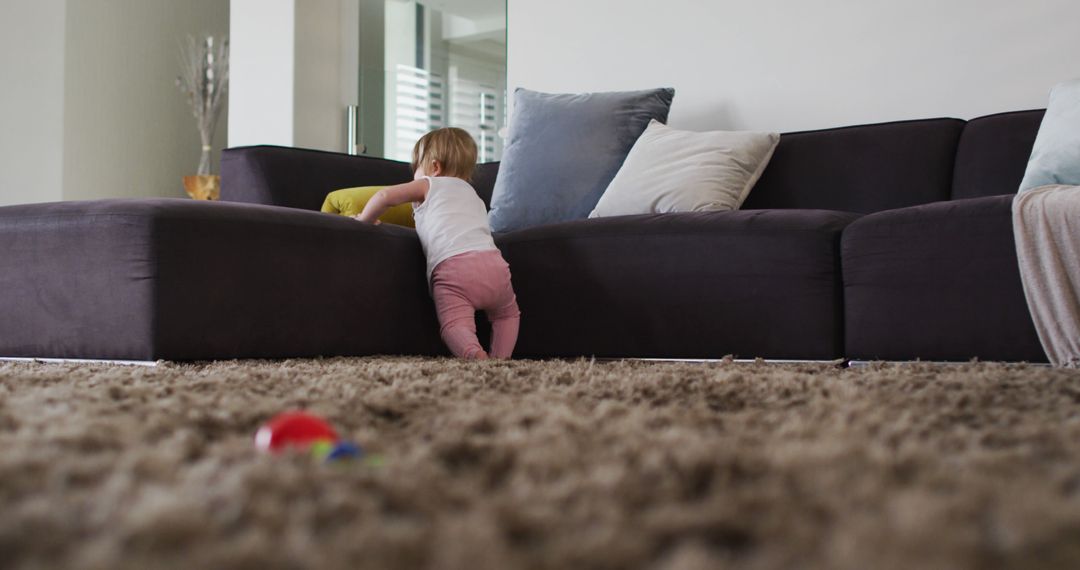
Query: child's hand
{"type": "Point", "coordinates": [361, 220]}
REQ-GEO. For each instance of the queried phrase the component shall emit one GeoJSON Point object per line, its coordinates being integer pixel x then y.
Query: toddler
{"type": "Point", "coordinates": [465, 270]}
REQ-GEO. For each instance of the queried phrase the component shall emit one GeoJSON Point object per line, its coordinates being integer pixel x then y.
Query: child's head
{"type": "Point", "coordinates": [445, 152]}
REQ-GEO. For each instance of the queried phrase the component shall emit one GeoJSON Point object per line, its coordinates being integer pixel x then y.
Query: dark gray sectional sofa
{"type": "Point", "coordinates": [889, 241]}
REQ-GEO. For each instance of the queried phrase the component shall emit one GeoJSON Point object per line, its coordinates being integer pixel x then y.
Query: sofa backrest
{"type": "Point", "coordinates": [862, 169]}
{"type": "Point", "coordinates": [869, 168]}
{"type": "Point", "coordinates": [298, 177]}
{"type": "Point", "coordinates": [301, 178]}
{"type": "Point", "coordinates": [483, 180]}
{"type": "Point", "coordinates": [993, 153]}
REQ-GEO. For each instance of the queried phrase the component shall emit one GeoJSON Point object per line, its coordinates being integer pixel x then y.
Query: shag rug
{"type": "Point", "coordinates": [542, 465]}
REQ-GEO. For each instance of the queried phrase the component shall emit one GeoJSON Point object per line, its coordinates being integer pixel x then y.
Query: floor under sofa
{"type": "Point", "coordinates": [542, 464]}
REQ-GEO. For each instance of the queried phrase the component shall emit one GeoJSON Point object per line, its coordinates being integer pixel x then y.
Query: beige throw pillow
{"type": "Point", "coordinates": [669, 170]}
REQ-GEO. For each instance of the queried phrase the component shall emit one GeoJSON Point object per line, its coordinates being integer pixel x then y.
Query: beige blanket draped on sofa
{"type": "Point", "coordinates": [1046, 227]}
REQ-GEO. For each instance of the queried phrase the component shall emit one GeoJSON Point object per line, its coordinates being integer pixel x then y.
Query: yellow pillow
{"type": "Point", "coordinates": [351, 201]}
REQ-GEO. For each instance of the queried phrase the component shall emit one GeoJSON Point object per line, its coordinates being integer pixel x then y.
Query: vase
{"type": "Point", "coordinates": [205, 187]}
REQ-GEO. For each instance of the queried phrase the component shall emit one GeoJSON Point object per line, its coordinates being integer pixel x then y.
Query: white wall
{"type": "Point", "coordinates": [261, 72]}
{"type": "Point", "coordinates": [32, 114]}
{"type": "Point", "coordinates": [293, 72]}
{"type": "Point", "coordinates": [790, 65]}
{"type": "Point", "coordinates": [128, 130]}
{"type": "Point", "coordinates": [91, 109]}
{"type": "Point", "coordinates": [317, 89]}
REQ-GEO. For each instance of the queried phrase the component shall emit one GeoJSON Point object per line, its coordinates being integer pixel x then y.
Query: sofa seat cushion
{"type": "Point", "coordinates": [937, 282]}
{"type": "Point", "coordinates": [190, 280]}
{"type": "Point", "coordinates": [760, 283]}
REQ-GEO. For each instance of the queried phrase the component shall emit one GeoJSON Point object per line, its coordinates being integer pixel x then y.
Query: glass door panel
{"type": "Point", "coordinates": [442, 64]}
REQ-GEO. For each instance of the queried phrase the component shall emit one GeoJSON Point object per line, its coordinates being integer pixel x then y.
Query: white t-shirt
{"type": "Point", "coordinates": [452, 220]}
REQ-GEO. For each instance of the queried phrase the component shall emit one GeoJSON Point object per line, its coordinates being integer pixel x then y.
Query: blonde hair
{"type": "Point", "coordinates": [454, 148]}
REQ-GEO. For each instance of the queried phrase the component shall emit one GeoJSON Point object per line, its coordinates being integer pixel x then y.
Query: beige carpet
{"type": "Point", "coordinates": [550, 465]}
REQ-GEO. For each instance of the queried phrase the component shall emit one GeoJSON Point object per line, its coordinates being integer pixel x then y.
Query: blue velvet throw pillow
{"type": "Point", "coordinates": [1056, 156]}
{"type": "Point", "coordinates": [564, 149]}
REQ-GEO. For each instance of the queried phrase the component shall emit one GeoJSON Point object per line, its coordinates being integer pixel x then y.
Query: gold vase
{"type": "Point", "coordinates": [203, 187]}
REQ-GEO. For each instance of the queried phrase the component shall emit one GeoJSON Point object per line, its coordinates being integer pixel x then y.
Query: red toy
{"type": "Point", "coordinates": [293, 429]}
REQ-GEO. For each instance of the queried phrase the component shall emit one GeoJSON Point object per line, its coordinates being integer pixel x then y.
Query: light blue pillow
{"type": "Point", "coordinates": [563, 151]}
{"type": "Point", "coordinates": [1056, 156]}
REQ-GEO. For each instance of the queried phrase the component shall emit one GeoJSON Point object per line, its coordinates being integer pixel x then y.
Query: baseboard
{"type": "Point", "coordinates": [861, 363]}
{"type": "Point", "coordinates": [836, 362]}
{"type": "Point", "coordinates": [81, 361]}
{"type": "Point", "coordinates": [841, 363]}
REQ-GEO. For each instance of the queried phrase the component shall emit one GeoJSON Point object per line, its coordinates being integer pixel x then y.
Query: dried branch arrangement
{"type": "Point", "coordinates": [204, 78]}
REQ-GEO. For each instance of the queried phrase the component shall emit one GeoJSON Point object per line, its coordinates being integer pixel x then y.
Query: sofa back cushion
{"type": "Point", "coordinates": [563, 149]}
{"type": "Point", "coordinates": [301, 178]}
{"type": "Point", "coordinates": [861, 169]}
{"type": "Point", "coordinates": [483, 179]}
{"type": "Point", "coordinates": [993, 154]}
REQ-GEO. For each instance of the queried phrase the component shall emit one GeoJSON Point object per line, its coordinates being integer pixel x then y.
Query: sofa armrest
{"type": "Point", "coordinates": [936, 282]}
{"type": "Point", "coordinates": [300, 178]}
{"type": "Point", "coordinates": [175, 279]}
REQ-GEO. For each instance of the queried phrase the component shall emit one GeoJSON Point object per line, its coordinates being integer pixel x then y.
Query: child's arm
{"type": "Point", "coordinates": [415, 191]}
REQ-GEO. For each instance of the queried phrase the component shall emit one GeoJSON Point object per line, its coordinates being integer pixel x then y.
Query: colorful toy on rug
{"type": "Point", "coordinates": [293, 430]}
{"type": "Point", "coordinates": [303, 431]}
{"type": "Point", "coordinates": [342, 450]}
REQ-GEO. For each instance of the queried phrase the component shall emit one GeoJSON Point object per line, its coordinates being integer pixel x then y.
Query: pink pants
{"type": "Point", "coordinates": [465, 283]}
